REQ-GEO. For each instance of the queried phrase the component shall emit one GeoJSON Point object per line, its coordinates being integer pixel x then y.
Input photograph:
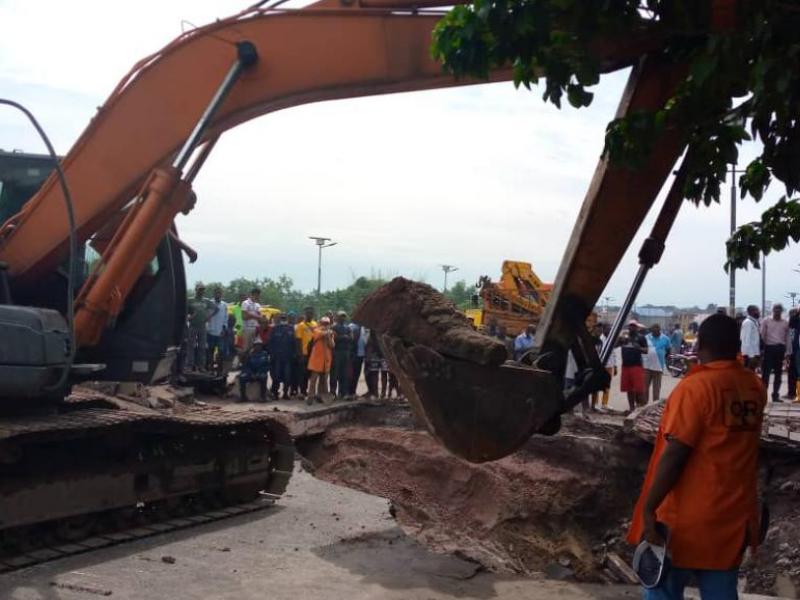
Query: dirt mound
{"type": "Point", "coordinates": [417, 313]}
{"type": "Point", "coordinates": [555, 506]}
{"type": "Point", "coordinates": [456, 379]}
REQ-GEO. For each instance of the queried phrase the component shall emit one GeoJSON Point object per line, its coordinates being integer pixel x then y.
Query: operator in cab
{"type": "Point", "coordinates": [699, 499]}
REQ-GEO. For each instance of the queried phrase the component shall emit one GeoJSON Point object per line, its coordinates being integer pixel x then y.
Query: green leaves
{"type": "Point", "coordinates": [778, 226]}
{"type": "Point", "coordinates": [533, 38]}
{"type": "Point", "coordinates": [577, 96]}
{"type": "Point", "coordinates": [750, 74]}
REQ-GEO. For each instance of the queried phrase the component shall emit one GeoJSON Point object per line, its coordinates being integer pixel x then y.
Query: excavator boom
{"type": "Point", "coordinates": [323, 52]}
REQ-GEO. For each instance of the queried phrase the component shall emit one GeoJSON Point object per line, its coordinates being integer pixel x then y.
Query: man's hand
{"type": "Point", "coordinates": [650, 532]}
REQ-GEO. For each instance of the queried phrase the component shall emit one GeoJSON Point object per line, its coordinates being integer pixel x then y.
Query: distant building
{"type": "Point", "coordinates": [664, 316]}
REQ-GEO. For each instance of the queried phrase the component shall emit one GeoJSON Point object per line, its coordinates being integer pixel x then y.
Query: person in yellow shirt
{"type": "Point", "coordinates": [320, 361]}
{"type": "Point", "coordinates": [304, 333]}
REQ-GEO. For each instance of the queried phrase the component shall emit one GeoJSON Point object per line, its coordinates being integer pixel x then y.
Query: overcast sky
{"type": "Point", "coordinates": [403, 183]}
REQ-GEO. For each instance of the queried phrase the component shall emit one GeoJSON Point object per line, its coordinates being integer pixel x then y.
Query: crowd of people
{"type": "Point", "coordinates": [770, 345]}
{"type": "Point", "coordinates": [642, 351]}
{"type": "Point", "coordinates": [287, 355]}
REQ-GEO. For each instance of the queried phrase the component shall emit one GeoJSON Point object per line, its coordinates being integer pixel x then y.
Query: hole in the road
{"type": "Point", "coordinates": [557, 506]}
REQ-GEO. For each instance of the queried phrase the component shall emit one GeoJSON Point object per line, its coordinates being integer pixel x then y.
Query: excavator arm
{"type": "Point", "coordinates": [474, 403]}
{"type": "Point", "coordinates": [132, 156]}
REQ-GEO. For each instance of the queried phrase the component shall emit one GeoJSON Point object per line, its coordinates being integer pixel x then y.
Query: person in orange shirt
{"type": "Point", "coordinates": [701, 482]}
{"type": "Point", "coordinates": [320, 359]}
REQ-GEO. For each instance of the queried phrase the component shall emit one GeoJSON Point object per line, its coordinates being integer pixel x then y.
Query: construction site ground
{"type": "Point", "coordinates": [322, 541]}
{"type": "Point", "coordinates": [529, 526]}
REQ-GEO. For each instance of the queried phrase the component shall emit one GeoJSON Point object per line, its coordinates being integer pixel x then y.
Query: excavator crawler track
{"type": "Point", "coordinates": [97, 469]}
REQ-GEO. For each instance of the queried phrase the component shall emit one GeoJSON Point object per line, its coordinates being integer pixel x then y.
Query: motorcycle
{"type": "Point", "coordinates": [679, 364]}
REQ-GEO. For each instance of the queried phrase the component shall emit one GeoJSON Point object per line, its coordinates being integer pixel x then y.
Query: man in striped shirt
{"type": "Point", "coordinates": [777, 346]}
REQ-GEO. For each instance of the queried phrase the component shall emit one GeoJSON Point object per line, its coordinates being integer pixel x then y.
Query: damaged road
{"type": "Point", "coordinates": [322, 541]}
{"type": "Point", "coordinates": [557, 506]}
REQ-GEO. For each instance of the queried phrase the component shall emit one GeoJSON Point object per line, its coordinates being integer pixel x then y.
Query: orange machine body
{"type": "Point", "coordinates": [318, 53]}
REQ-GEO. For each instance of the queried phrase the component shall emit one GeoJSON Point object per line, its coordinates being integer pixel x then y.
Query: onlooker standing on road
{"type": "Point", "coordinates": [320, 360]}
{"type": "Point", "coordinates": [375, 367]}
{"type": "Point", "coordinates": [229, 338]}
{"type": "Point", "coordinates": [304, 334]}
{"type": "Point", "coordinates": [702, 478]}
{"type": "Point", "coordinates": [750, 338]}
{"type": "Point", "coordinates": [356, 356]}
{"type": "Point", "coordinates": [524, 341]}
{"type": "Point", "coordinates": [281, 351]}
{"type": "Point", "coordinates": [295, 368]}
{"type": "Point", "coordinates": [791, 363]}
{"type": "Point", "coordinates": [611, 365]}
{"type": "Point", "coordinates": [239, 321]}
{"type": "Point", "coordinates": [200, 310]}
{"type": "Point", "coordinates": [631, 380]}
{"type": "Point", "coordinates": [343, 339]}
{"type": "Point", "coordinates": [251, 318]}
{"type": "Point", "coordinates": [676, 339]}
{"type": "Point", "coordinates": [597, 337]}
{"type": "Point", "coordinates": [217, 328]}
{"type": "Point", "coordinates": [654, 370]}
{"type": "Point", "coordinates": [777, 347]}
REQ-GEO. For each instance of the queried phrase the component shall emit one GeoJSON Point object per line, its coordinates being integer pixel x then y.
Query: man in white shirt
{"type": "Point", "coordinates": [777, 341]}
{"type": "Point", "coordinates": [524, 341]}
{"type": "Point", "coordinates": [750, 338]}
{"type": "Point", "coordinates": [216, 328]}
{"type": "Point", "coordinates": [251, 317]}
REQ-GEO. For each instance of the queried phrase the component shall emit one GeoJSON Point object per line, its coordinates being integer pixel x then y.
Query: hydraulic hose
{"type": "Point", "coordinates": [73, 243]}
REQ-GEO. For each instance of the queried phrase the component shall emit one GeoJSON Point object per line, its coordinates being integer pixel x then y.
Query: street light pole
{"type": "Point", "coordinates": [763, 285]}
{"type": "Point", "coordinates": [447, 269]}
{"type": "Point", "coordinates": [732, 289]}
{"type": "Point", "coordinates": [321, 242]}
{"type": "Point", "coordinates": [608, 300]}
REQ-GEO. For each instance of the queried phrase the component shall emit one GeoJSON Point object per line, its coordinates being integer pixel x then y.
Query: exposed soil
{"type": "Point", "coordinates": [416, 313]}
{"type": "Point", "coordinates": [775, 569]}
{"type": "Point", "coordinates": [556, 506]}
{"type": "Point", "coordinates": [559, 506]}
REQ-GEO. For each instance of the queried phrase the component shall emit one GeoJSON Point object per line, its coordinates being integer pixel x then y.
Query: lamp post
{"type": "Point", "coordinates": [447, 269]}
{"type": "Point", "coordinates": [607, 300]}
{"type": "Point", "coordinates": [322, 242]}
{"type": "Point", "coordinates": [763, 284]}
{"type": "Point", "coordinates": [732, 273]}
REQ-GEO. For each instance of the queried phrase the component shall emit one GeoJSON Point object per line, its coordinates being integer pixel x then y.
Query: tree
{"type": "Point", "coordinates": [742, 83]}
{"type": "Point", "coordinates": [460, 294]}
{"type": "Point", "coordinates": [281, 293]}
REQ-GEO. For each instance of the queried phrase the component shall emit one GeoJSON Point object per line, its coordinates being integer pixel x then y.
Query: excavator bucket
{"type": "Point", "coordinates": [456, 379]}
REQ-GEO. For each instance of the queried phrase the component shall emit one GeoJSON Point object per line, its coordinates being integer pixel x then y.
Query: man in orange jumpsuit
{"type": "Point", "coordinates": [702, 478]}
{"type": "Point", "coordinates": [320, 360]}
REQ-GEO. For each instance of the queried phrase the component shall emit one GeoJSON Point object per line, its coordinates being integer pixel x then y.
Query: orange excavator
{"type": "Point", "coordinates": [103, 225]}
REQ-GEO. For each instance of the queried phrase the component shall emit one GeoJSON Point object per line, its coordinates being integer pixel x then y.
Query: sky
{"type": "Point", "coordinates": [403, 183]}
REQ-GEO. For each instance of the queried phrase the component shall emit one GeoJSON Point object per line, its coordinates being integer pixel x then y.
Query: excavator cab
{"type": "Point", "coordinates": [141, 346]}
